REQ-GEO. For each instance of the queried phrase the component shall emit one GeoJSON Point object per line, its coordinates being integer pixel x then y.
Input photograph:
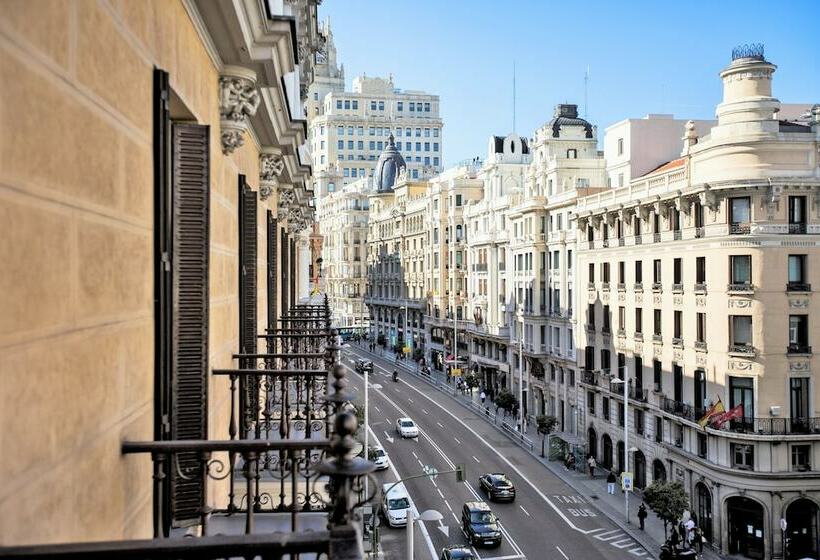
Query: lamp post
{"type": "Point", "coordinates": [522, 416]}
{"type": "Point", "coordinates": [406, 327]}
{"type": "Point", "coordinates": [428, 515]}
{"type": "Point", "coordinates": [626, 435]}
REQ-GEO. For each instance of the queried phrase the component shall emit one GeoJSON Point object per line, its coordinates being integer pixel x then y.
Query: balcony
{"type": "Point", "coordinates": [701, 345]}
{"type": "Point", "coordinates": [679, 409]}
{"type": "Point", "coordinates": [480, 267]}
{"type": "Point", "coordinates": [796, 348]}
{"type": "Point", "coordinates": [677, 342]}
{"type": "Point", "coordinates": [677, 288]}
{"type": "Point", "coordinates": [589, 377]}
{"type": "Point", "coordinates": [621, 332]}
{"type": "Point", "coordinates": [605, 286]}
{"type": "Point", "coordinates": [605, 243]}
{"type": "Point", "coordinates": [656, 237]}
{"type": "Point", "coordinates": [741, 349]}
{"type": "Point", "coordinates": [677, 235]}
{"type": "Point", "coordinates": [638, 393]}
{"type": "Point", "coordinates": [638, 337]}
{"type": "Point", "coordinates": [638, 286]}
{"type": "Point", "coordinates": [621, 242]}
{"type": "Point", "coordinates": [740, 287]}
{"type": "Point", "coordinates": [797, 228]}
{"type": "Point", "coordinates": [617, 388]}
{"type": "Point", "coordinates": [771, 426]}
{"type": "Point", "coordinates": [657, 287]}
{"type": "Point", "coordinates": [798, 287]}
{"type": "Point", "coordinates": [621, 287]}
{"type": "Point", "coordinates": [700, 232]}
{"type": "Point", "coordinates": [590, 327]}
{"type": "Point", "coordinates": [657, 338]}
{"type": "Point", "coordinates": [590, 285]}
{"type": "Point", "coordinates": [700, 288]}
{"type": "Point", "coordinates": [740, 228]}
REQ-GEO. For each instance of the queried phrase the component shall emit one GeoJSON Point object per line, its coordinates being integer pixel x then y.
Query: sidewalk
{"type": "Point", "coordinates": [592, 489]}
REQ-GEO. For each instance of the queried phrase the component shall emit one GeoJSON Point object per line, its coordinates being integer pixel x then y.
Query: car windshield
{"type": "Point", "coordinates": [407, 424]}
{"type": "Point", "coordinates": [398, 503]}
{"type": "Point", "coordinates": [379, 453]}
{"type": "Point", "coordinates": [502, 483]}
{"type": "Point", "coordinates": [483, 517]}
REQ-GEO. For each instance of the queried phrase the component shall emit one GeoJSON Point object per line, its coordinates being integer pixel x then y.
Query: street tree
{"type": "Point", "coordinates": [506, 401]}
{"type": "Point", "coordinates": [471, 380]}
{"type": "Point", "coordinates": [546, 425]}
{"type": "Point", "coordinates": [668, 500]}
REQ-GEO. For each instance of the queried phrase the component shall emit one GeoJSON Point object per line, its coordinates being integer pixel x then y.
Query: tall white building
{"type": "Point", "coordinates": [350, 129]}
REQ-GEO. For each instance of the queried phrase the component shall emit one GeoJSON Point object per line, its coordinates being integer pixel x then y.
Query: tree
{"type": "Point", "coordinates": [668, 500]}
{"type": "Point", "coordinates": [471, 380]}
{"type": "Point", "coordinates": [506, 401]}
{"type": "Point", "coordinates": [546, 424]}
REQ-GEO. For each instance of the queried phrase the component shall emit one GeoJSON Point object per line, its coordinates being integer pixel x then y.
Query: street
{"type": "Point", "coordinates": [547, 519]}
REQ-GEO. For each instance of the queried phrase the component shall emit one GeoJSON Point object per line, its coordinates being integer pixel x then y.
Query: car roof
{"type": "Point", "coordinates": [463, 552]}
{"type": "Point", "coordinates": [497, 475]}
{"type": "Point", "coordinates": [405, 418]}
{"type": "Point", "coordinates": [397, 489]}
{"type": "Point", "coordinates": [477, 506]}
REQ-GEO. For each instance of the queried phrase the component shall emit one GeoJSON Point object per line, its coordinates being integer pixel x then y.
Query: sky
{"type": "Point", "coordinates": [643, 57]}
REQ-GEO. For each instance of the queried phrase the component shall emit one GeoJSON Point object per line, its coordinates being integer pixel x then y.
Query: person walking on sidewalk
{"type": "Point", "coordinates": [482, 396]}
{"type": "Point", "coordinates": [642, 515]}
{"type": "Point", "coordinates": [610, 483]}
{"type": "Point", "coordinates": [592, 464]}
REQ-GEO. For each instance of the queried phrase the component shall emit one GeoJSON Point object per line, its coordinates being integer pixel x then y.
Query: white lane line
{"type": "Point", "coordinates": [355, 388]}
{"type": "Point", "coordinates": [510, 557]}
{"type": "Point", "coordinates": [617, 535]}
{"type": "Point", "coordinates": [623, 543]}
{"type": "Point", "coordinates": [562, 552]}
{"type": "Point", "coordinates": [414, 455]}
{"type": "Point", "coordinates": [377, 408]}
{"type": "Point", "coordinates": [457, 521]}
{"type": "Point", "coordinates": [596, 530]}
{"type": "Point", "coordinates": [434, 483]}
{"type": "Point", "coordinates": [610, 533]}
{"type": "Point", "coordinates": [525, 511]}
{"type": "Point", "coordinates": [637, 551]}
{"type": "Point", "coordinates": [476, 459]}
{"type": "Point", "coordinates": [446, 503]}
{"type": "Point", "coordinates": [424, 412]}
{"type": "Point", "coordinates": [455, 438]}
{"type": "Point", "coordinates": [409, 400]}
{"type": "Point", "coordinates": [440, 493]}
{"type": "Point", "coordinates": [439, 425]}
{"type": "Point", "coordinates": [420, 463]}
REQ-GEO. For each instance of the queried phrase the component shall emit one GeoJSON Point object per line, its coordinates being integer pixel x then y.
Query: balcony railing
{"type": "Point", "coordinates": [679, 409]}
{"type": "Point", "coordinates": [740, 228]}
{"type": "Point", "coordinates": [796, 348]}
{"type": "Point", "coordinates": [656, 237]}
{"type": "Point", "coordinates": [677, 235]}
{"type": "Point", "coordinates": [677, 288]}
{"type": "Point", "coordinates": [638, 286]}
{"type": "Point", "coordinates": [700, 345]}
{"type": "Point", "coordinates": [677, 342]}
{"type": "Point", "coordinates": [657, 287]}
{"type": "Point", "coordinates": [638, 240]}
{"type": "Point", "coordinates": [771, 426]}
{"type": "Point", "coordinates": [742, 349]}
{"type": "Point", "coordinates": [798, 287]}
{"type": "Point", "coordinates": [638, 393]}
{"type": "Point", "coordinates": [797, 228]}
{"type": "Point", "coordinates": [700, 232]}
{"type": "Point", "coordinates": [744, 287]}
{"type": "Point", "coordinates": [700, 287]}
{"type": "Point", "coordinates": [589, 377]}
{"type": "Point", "coordinates": [621, 287]}
{"type": "Point", "coordinates": [657, 337]}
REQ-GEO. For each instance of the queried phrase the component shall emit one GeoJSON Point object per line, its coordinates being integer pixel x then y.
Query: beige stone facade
{"type": "Point", "coordinates": [76, 203]}
{"type": "Point", "coordinates": [695, 281]}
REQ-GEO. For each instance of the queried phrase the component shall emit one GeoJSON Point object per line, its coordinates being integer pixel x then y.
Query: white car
{"type": "Point", "coordinates": [405, 427]}
{"type": "Point", "coordinates": [379, 458]}
{"type": "Point", "coordinates": [395, 504]}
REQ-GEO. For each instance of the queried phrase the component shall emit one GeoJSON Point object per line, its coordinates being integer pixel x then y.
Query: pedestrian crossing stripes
{"type": "Point", "coordinates": [618, 539]}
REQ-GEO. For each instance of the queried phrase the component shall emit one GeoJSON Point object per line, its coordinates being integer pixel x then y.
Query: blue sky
{"type": "Point", "coordinates": [643, 57]}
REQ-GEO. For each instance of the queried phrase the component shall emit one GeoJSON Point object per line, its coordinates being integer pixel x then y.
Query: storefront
{"type": "Point", "coordinates": [746, 527]}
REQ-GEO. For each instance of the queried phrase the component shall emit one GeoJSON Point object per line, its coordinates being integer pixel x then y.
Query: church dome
{"type": "Point", "coordinates": [388, 167]}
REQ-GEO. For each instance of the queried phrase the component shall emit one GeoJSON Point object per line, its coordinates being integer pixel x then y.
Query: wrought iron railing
{"type": "Point", "coordinates": [771, 426]}
{"type": "Point", "coordinates": [589, 377]}
{"type": "Point", "coordinates": [740, 228]}
{"type": "Point", "coordinates": [798, 287]}
{"type": "Point", "coordinates": [679, 409]}
{"type": "Point", "coordinates": [797, 228]}
{"type": "Point", "coordinates": [638, 393]}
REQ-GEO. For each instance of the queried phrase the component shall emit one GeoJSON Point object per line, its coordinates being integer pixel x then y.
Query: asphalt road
{"type": "Point", "coordinates": [546, 521]}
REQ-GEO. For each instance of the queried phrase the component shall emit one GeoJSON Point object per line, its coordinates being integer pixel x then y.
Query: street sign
{"type": "Point", "coordinates": [406, 349]}
{"type": "Point", "coordinates": [461, 472]}
{"type": "Point", "coordinates": [455, 372]}
{"type": "Point", "coordinates": [626, 481]}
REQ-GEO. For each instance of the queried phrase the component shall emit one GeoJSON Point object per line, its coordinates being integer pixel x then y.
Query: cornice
{"type": "Point", "coordinates": [202, 31]}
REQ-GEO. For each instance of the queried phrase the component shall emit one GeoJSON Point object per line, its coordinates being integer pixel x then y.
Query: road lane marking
{"type": "Point", "coordinates": [510, 557]}
{"type": "Point", "coordinates": [476, 459]}
{"type": "Point", "coordinates": [637, 551]}
{"type": "Point", "coordinates": [562, 552]}
{"type": "Point", "coordinates": [439, 425]}
{"type": "Point", "coordinates": [446, 503]}
{"type": "Point", "coordinates": [434, 483]}
{"type": "Point", "coordinates": [455, 438]}
{"type": "Point", "coordinates": [424, 412]}
{"type": "Point", "coordinates": [440, 493]}
{"type": "Point", "coordinates": [608, 536]}
{"type": "Point", "coordinates": [377, 408]}
{"type": "Point", "coordinates": [408, 400]}
{"type": "Point", "coordinates": [454, 517]}
{"type": "Point", "coordinates": [623, 543]}
{"type": "Point", "coordinates": [414, 455]}
{"type": "Point", "coordinates": [525, 511]}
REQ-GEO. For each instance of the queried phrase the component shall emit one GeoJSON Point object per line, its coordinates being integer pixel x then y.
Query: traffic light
{"type": "Point", "coordinates": [461, 472]}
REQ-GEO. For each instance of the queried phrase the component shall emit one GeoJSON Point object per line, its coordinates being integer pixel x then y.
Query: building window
{"type": "Point", "coordinates": [799, 334]}
{"type": "Point", "coordinates": [657, 375]}
{"type": "Point", "coordinates": [639, 421]}
{"type": "Point", "coordinates": [605, 408]}
{"type": "Point", "coordinates": [741, 334]}
{"type": "Point", "coordinates": [372, 105]}
{"type": "Point", "coordinates": [678, 327]}
{"type": "Point", "coordinates": [700, 272]}
{"type": "Point", "coordinates": [740, 214]}
{"type": "Point", "coordinates": [621, 318]}
{"type": "Point", "coordinates": [797, 214]}
{"type": "Point", "coordinates": [677, 271]}
{"type": "Point", "coordinates": [426, 107]}
{"type": "Point", "coordinates": [658, 429]}
{"type": "Point", "coordinates": [703, 445]}
{"type": "Point", "coordinates": [743, 456]}
{"type": "Point", "coordinates": [797, 273]}
{"type": "Point", "coordinates": [591, 402]}
{"type": "Point", "coordinates": [572, 153]}
{"type": "Point", "coordinates": [638, 320]}
{"type": "Point", "coordinates": [620, 146]}
{"type": "Point", "coordinates": [801, 458]}
{"type": "Point", "coordinates": [347, 104]}
{"type": "Point", "coordinates": [638, 272]}
{"type": "Point", "coordinates": [741, 266]}
{"type": "Point", "coordinates": [741, 392]}
{"type": "Point", "coordinates": [657, 322]}
{"type": "Point", "coordinates": [606, 326]}
{"type": "Point", "coordinates": [701, 327]}
{"type": "Point", "coordinates": [656, 271]}
{"type": "Point", "coordinates": [400, 105]}
{"type": "Point", "coordinates": [338, 103]}
{"type": "Point", "coordinates": [355, 105]}
{"type": "Point", "coordinates": [381, 105]}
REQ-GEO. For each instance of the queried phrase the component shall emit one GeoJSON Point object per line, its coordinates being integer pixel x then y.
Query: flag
{"type": "Point", "coordinates": [713, 410]}
{"type": "Point", "coordinates": [719, 420]}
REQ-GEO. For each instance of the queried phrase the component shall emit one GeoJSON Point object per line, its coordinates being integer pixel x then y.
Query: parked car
{"type": "Point", "coordinates": [480, 525]}
{"type": "Point", "coordinates": [497, 486]}
{"type": "Point", "coordinates": [364, 365]}
{"type": "Point", "coordinates": [395, 504]}
{"type": "Point", "coordinates": [456, 552]}
{"type": "Point", "coordinates": [379, 458]}
{"type": "Point", "coordinates": [405, 427]}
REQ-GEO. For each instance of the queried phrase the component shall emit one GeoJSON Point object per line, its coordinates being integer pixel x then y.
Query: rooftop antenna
{"type": "Point", "coordinates": [513, 97]}
{"type": "Point", "coordinates": [586, 87]}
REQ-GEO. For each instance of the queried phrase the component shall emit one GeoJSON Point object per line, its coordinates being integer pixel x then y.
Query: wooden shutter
{"type": "Point", "coordinates": [293, 272]}
{"type": "Point", "coordinates": [189, 338]}
{"type": "Point", "coordinates": [272, 243]}
{"type": "Point", "coordinates": [285, 269]}
{"type": "Point", "coordinates": [248, 387]}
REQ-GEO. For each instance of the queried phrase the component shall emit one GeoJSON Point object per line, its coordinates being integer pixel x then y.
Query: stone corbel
{"type": "Point", "coordinates": [287, 197]}
{"type": "Point", "coordinates": [238, 100]}
{"type": "Point", "coordinates": [683, 204]}
{"type": "Point", "coordinates": [707, 198]}
{"type": "Point", "coordinates": [660, 208]}
{"type": "Point", "coordinates": [270, 168]}
{"type": "Point", "coordinates": [609, 216]}
{"type": "Point", "coordinates": [582, 223]}
{"type": "Point", "coordinates": [595, 221]}
{"type": "Point", "coordinates": [643, 211]}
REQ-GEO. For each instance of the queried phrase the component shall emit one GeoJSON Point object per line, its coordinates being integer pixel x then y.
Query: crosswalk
{"type": "Point", "coordinates": [618, 539]}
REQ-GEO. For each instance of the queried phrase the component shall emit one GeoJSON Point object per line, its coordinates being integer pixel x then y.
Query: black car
{"type": "Point", "coordinates": [364, 365]}
{"type": "Point", "coordinates": [498, 487]}
{"type": "Point", "coordinates": [480, 525]}
{"type": "Point", "coordinates": [456, 552]}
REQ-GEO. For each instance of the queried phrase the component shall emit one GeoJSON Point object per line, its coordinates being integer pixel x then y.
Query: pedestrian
{"type": "Point", "coordinates": [690, 531]}
{"type": "Point", "coordinates": [610, 483]}
{"type": "Point", "coordinates": [592, 464]}
{"type": "Point", "coordinates": [642, 515]}
{"type": "Point", "coordinates": [482, 396]}
{"type": "Point", "coordinates": [699, 539]}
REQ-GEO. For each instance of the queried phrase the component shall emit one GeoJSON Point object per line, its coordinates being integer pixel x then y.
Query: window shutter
{"type": "Point", "coordinates": [271, 270]}
{"type": "Point", "coordinates": [189, 342]}
{"type": "Point", "coordinates": [284, 275]}
{"type": "Point", "coordinates": [248, 387]}
{"type": "Point", "coordinates": [293, 272]}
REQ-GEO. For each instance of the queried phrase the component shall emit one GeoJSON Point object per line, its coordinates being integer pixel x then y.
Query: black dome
{"type": "Point", "coordinates": [389, 166]}
{"type": "Point", "coordinates": [567, 115]}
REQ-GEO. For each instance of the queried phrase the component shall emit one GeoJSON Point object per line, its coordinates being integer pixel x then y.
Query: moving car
{"type": "Point", "coordinates": [405, 427]}
{"type": "Point", "coordinates": [497, 486]}
{"type": "Point", "coordinates": [362, 365]}
{"type": "Point", "coordinates": [379, 458]}
{"type": "Point", "coordinates": [480, 525]}
{"type": "Point", "coordinates": [456, 552]}
{"type": "Point", "coordinates": [395, 504]}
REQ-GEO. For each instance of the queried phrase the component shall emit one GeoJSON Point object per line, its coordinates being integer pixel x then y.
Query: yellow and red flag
{"type": "Point", "coordinates": [711, 412]}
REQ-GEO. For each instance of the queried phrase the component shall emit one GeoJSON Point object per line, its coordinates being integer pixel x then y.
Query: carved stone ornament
{"type": "Point", "coordinates": [799, 303]}
{"type": "Point", "coordinates": [700, 301]}
{"type": "Point", "coordinates": [638, 298]}
{"type": "Point", "coordinates": [677, 355]}
{"type": "Point", "coordinates": [282, 213]}
{"type": "Point", "coordinates": [657, 350]}
{"type": "Point", "coordinates": [799, 366]}
{"type": "Point", "coordinates": [700, 359]}
{"type": "Point", "coordinates": [741, 366]}
{"type": "Point", "coordinates": [677, 300]}
{"type": "Point", "coordinates": [740, 303]}
{"type": "Point", "coordinates": [270, 167]}
{"type": "Point", "coordinates": [238, 100]}
{"type": "Point", "coordinates": [287, 197]}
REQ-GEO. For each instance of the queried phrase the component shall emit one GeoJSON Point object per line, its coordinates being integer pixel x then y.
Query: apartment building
{"type": "Point", "coordinates": [151, 203]}
{"type": "Point", "coordinates": [695, 280]}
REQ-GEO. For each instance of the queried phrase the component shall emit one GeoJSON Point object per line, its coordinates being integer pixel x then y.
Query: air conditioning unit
{"type": "Point", "coordinates": [774, 410]}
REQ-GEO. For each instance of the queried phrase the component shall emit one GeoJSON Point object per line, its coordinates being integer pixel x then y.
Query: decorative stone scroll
{"type": "Point", "coordinates": [270, 167]}
{"type": "Point", "coordinates": [799, 303]}
{"type": "Point", "coordinates": [738, 365]}
{"type": "Point", "coordinates": [740, 303]}
{"type": "Point", "coordinates": [800, 366]}
{"type": "Point", "coordinates": [238, 100]}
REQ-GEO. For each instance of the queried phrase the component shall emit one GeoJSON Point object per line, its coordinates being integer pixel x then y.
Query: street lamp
{"type": "Point", "coordinates": [429, 515]}
{"type": "Point", "coordinates": [623, 381]}
{"type": "Point", "coordinates": [406, 328]}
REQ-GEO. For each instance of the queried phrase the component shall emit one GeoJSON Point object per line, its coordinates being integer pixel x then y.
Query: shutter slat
{"type": "Point", "coordinates": [247, 288]}
{"type": "Point", "coordinates": [272, 245]}
{"type": "Point", "coordinates": [191, 240]}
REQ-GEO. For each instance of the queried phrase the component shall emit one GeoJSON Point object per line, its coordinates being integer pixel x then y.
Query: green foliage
{"type": "Point", "coordinates": [471, 380]}
{"type": "Point", "coordinates": [506, 400]}
{"type": "Point", "coordinates": [668, 500]}
{"type": "Point", "coordinates": [418, 354]}
{"type": "Point", "coordinates": [546, 424]}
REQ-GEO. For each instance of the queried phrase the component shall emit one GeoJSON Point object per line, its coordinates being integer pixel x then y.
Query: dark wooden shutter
{"type": "Point", "coordinates": [247, 298]}
{"type": "Point", "coordinates": [272, 243]}
{"type": "Point", "coordinates": [285, 270]}
{"type": "Point", "coordinates": [293, 271]}
{"type": "Point", "coordinates": [189, 339]}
